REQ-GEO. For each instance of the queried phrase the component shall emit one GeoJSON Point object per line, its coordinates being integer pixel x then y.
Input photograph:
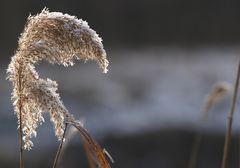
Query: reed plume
{"type": "Point", "coordinates": [217, 93]}
{"type": "Point", "coordinates": [59, 39]}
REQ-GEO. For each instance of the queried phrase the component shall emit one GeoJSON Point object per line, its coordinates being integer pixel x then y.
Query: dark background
{"type": "Point", "coordinates": [165, 56]}
{"type": "Point", "coordinates": [135, 22]}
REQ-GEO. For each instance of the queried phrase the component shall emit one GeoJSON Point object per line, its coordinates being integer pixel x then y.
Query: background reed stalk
{"type": "Point", "coordinates": [230, 121]}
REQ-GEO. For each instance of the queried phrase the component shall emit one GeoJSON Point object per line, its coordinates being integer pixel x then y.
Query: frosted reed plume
{"type": "Point", "coordinates": [59, 39]}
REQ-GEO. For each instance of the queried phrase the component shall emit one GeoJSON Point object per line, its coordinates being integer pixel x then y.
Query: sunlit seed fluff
{"type": "Point", "coordinates": [59, 39]}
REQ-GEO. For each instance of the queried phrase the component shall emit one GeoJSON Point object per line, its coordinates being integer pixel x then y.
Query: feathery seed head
{"type": "Point", "coordinates": [59, 39]}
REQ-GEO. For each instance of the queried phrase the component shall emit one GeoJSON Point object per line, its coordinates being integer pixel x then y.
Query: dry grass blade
{"type": "Point", "coordinates": [230, 120]}
{"type": "Point", "coordinates": [93, 146]}
{"type": "Point", "coordinates": [88, 153]}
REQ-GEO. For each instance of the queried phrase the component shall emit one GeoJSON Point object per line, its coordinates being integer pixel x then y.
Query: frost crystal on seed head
{"type": "Point", "coordinates": [59, 39]}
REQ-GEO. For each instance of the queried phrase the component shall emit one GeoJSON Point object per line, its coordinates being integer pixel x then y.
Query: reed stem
{"type": "Point", "coordinates": [21, 159]}
{"type": "Point", "coordinates": [21, 140]}
{"type": "Point", "coordinates": [230, 121]}
{"type": "Point", "coordinates": [60, 147]}
{"type": "Point", "coordinates": [195, 149]}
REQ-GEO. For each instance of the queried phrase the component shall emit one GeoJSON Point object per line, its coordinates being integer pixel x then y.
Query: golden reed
{"type": "Point", "coordinates": [59, 39]}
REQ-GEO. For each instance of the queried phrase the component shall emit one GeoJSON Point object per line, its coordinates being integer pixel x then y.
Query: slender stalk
{"type": "Point", "coordinates": [21, 140]}
{"type": "Point", "coordinates": [230, 121]}
{"type": "Point", "coordinates": [21, 159]}
{"type": "Point", "coordinates": [196, 143]}
{"type": "Point", "coordinates": [239, 151]}
{"type": "Point", "coordinates": [60, 148]}
{"type": "Point", "coordinates": [198, 137]}
{"type": "Point", "coordinates": [195, 150]}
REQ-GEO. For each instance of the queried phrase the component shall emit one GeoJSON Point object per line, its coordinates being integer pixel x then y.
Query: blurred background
{"type": "Point", "coordinates": [165, 56]}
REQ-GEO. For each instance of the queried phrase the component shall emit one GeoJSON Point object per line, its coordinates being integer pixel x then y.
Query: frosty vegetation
{"type": "Point", "coordinates": [59, 39]}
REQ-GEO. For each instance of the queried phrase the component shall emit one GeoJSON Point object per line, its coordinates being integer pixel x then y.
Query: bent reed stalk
{"type": "Point", "coordinates": [60, 148]}
{"type": "Point", "coordinates": [59, 39]}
